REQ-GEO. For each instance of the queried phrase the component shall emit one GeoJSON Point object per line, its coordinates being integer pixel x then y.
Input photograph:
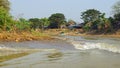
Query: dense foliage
{"type": "Point", "coordinates": [90, 15]}
{"type": "Point", "coordinates": [95, 21]}
{"type": "Point", "coordinates": [36, 23]}
{"type": "Point", "coordinates": [116, 16]}
{"type": "Point", "coordinates": [22, 24]}
{"type": "Point", "coordinates": [56, 20]}
{"type": "Point", "coordinates": [5, 19]}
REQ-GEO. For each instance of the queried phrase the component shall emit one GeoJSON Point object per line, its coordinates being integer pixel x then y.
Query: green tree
{"type": "Point", "coordinates": [35, 23]}
{"type": "Point", "coordinates": [45, 21]}
{"type": "Point", "coordinates": [117, 17]}
{"type": "Point", "coordinates": [90, 15]}
{"type": "Point", "coordinates": [23, 24]}
{"type": "Point", "coordinates": [115, 21]}
{"type": "Point", "coordinates": [5, 19]}
{"type": "Point", "coordinates": [95, 21]}
{"type": "Point", "coordinates": [5, 4]}
{"type": "Point", "coordinates": [104, 25]}
{"type": "Point", "coordinates": [91, 18]}
{"type": "Point", "coordinates": [57, 19]}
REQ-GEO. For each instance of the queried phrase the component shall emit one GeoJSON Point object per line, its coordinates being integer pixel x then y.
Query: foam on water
{"type": "Point", "coordinates": [2, 47]}
{"type": "Point", "coordinates": [85, 44]}
{"type": "Point", "coordinates": [19, 50]}
{"type": "Point", "coordinates": [90, 45]}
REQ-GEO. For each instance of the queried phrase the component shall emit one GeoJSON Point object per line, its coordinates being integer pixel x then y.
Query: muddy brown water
{"type": "Point", "coordinates": [75, 52]}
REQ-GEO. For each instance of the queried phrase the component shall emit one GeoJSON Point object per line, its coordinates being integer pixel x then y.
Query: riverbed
{"type": "Point", "coordinates": [70, 52]}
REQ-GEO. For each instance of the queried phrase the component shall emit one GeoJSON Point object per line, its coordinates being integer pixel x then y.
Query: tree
{"type": "Point", "coordinates": [5, 4]}
{"type": "Point", "coordinates": [35, 23]}
{"type": "Point", "coordinates": [116, 16]}
{"type": "Point", "coordinates": [90, 15]}
{"type": "Point", "coordinates": [22, 24]}
{"type": "Point", "coordinates": [95, 21]}
{"type": "Point", "coordinates": [57, 20]}
{"type": "Point", "coordinates": [104, 25]}
{"type": "Point", "coordinates": [5, 19]}
{"type": "Point", "coordinates": [115, 21]}
{"type": "Point", "coordinates": [91, 18]}
{"type": "Point", "coordinates": [45, 21]}
{"type": "Point", "coordinates": [116, 7]}
{"type": "Point", "coordinates": [70, 22]}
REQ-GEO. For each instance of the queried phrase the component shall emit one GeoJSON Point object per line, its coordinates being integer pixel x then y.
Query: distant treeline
{"type": "Point", "coordinates": [94, 21]}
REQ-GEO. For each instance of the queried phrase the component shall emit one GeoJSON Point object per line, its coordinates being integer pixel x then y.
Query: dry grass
{"type": "Point", "coordinates": [46, 35]}
{"type": "Point", "coordinates": [23, 36]}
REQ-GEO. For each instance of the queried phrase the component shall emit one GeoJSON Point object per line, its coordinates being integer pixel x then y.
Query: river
{"type": "Point", "coordinates": [70, 52]}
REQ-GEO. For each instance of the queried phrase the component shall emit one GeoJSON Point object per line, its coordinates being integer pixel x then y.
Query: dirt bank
{"type": "Point", "coordinates": [23, 36]}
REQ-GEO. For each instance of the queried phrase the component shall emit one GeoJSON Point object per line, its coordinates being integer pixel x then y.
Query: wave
{"type": "Point", "coordinates": [19, 50]}
{"type": "Point", "coordinates": [2, 47]}
{"type": "Point", "coordinates": [91, 45]}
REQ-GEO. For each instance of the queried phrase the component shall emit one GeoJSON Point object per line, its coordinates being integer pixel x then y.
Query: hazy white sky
{"type": "Point", "coordinates": [70, 8]}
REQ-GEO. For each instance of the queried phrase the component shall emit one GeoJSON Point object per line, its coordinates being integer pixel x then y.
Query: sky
{"type": "Point", "coordinates": [70, 8]}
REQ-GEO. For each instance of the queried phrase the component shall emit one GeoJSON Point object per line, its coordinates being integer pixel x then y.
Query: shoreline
{"type": "Point", "coordinates": [47, 35]}
{"type": "Point", "coordinates": [23, 36]}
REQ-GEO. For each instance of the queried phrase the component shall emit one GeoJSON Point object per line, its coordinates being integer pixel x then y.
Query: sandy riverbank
{"type": "Point", "coordinates": [23, 36]}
